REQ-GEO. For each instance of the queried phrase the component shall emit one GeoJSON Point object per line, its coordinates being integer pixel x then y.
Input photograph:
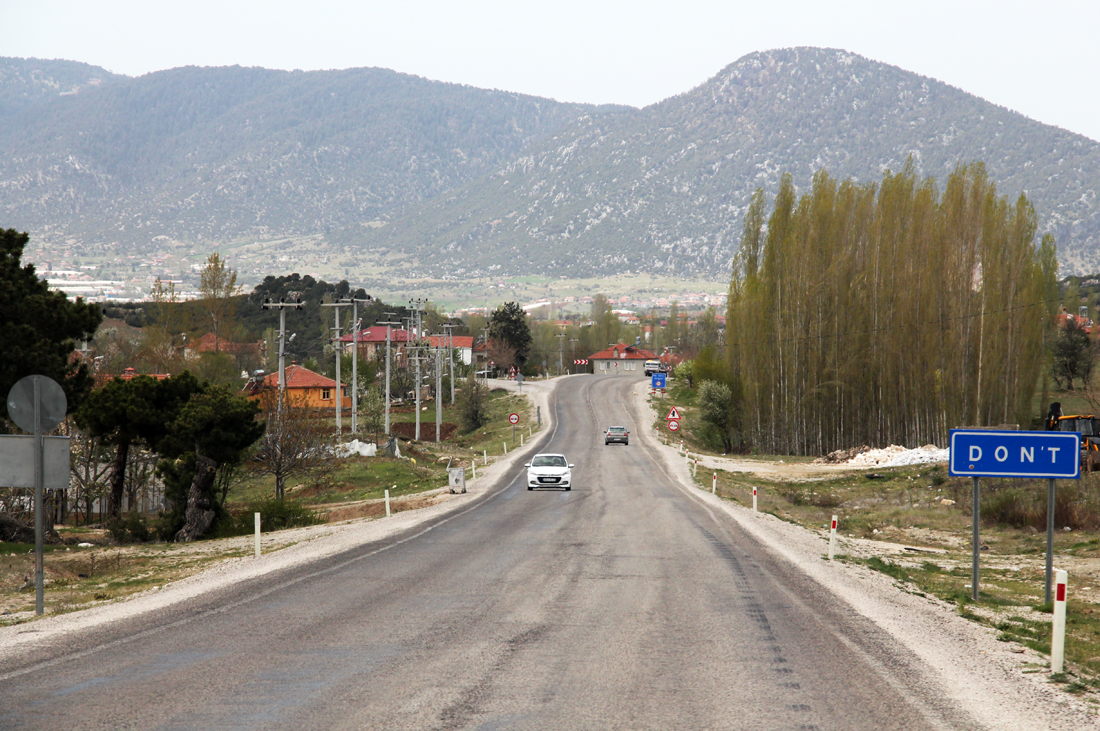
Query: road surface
{"type": "Point", "coordinates": [623, 604]}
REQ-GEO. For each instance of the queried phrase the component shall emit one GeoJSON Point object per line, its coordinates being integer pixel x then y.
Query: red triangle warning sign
{"type": "Point", "coordinates": [673, 414]}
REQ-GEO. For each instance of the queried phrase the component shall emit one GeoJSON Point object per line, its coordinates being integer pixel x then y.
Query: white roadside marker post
{"type": "Point", "coordinates": [695, 467]}
{"type": "Point", "coordinates": [473, 466]}
{"type": "Point", "coordinates": [505, 448]}
{"type": "Point", "coordinates": [714, 483]}
{"type": "Point", "coordinates": [754, 498]}
{"type": "Point", "coordinates": [485, 456]}
{"type": "Point", "coordinates": [388, 501]}
{"type": "Point", "coordinates": [257, 516]}
{"type": "Point", "coordinates": [832, 539]}
{"type": "Point", "coordinates": [521, 439]}
{"type": "Point", "coordinates": [1058, 638]}
{"type": "Point", "coordinates": [681, 446]}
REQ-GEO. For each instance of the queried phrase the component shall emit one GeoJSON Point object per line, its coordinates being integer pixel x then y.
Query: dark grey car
{"type": "Point", "coordinates": [616, 435]}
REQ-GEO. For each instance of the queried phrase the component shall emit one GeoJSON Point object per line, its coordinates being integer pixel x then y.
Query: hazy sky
{"type": "Point", "coordinates": [1040, 58]}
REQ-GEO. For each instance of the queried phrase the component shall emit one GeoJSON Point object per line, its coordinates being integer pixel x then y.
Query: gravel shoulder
{"type": "Point", "coordinates": [995, 682]}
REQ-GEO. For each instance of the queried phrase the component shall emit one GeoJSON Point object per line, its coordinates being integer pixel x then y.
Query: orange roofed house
{"type": "Point", "coordinates": [303, 388]}
{"type": "Point", "coordinates": [620, 360]}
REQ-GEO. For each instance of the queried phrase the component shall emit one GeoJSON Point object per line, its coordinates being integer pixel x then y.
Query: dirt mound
{"type": "Point", "coordinates": [406, 430]}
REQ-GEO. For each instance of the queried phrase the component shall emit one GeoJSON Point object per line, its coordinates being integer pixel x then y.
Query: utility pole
{"type": "Point", "coordinates": [416, 305]}
{"type": "Point", "coordinates": [561, 340]}
{"type": "Point", "coordinates": [388, 323]}
{"type": "Point", "coordinates": [355, 362]}
{"type": "Point", "coordinates": [451, 357]}
{"type": "Point", "coordinates": [282, 306]}
{"type": "Point", "coordinates": [574, 341]}
{"type": "Point", "coordinates": [336, 340]}
{"type": "Point", "coordinates": [485, 339]}
{"type": "Point", "coordinates": [416, 388]}
{"type": "Point", "coordinates": [438, 388]}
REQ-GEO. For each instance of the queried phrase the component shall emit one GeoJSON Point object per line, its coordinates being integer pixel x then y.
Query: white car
{"type": "Point", "coordinates": [549, 470]}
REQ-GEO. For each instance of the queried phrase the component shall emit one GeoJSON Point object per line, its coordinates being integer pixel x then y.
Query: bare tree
{"type": "Point", "coordinates": [502, 355]}
{"type": "Point", "coordinates": [218, 286]}
{"type": "Point", "coordinates": [294, 444]}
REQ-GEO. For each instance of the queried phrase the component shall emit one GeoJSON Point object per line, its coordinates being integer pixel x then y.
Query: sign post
{"type": "Point", "coordinates": [978, 453]}
{"type": "Point", "coordinates": [513, 419]}
{"type": "Point", "coordinates": [673, 420]}
{"type": "Point", "coordinates": [37, 404]}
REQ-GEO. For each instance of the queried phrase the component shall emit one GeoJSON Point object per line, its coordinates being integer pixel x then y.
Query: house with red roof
{"type": "Point", "coordinates": [371, 342]}
{"type": "Point", "coordinates": [303, 388]}
{"type": "Point", "coordinates": [211, 343]}
{"type": "Point", "coordinates": [621, 360]}
{"type": "Point", "coordinates": [1081, 319]}
{"type": "Point", "coordinates": [464, 344]}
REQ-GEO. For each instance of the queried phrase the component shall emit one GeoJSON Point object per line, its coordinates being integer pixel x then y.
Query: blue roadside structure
{"type": "Point", "coordinates": [1048, 455]}
{"type": "Point", "coordinates": [1031, 454]}
{"type": "Point", "coordinates": [658, 380]}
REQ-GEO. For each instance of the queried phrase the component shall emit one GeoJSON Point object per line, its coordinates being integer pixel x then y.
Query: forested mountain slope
{"type": "Point", "coordinates": [213, 154]}
{"type": "Point", "coordinates": [664, 188]}
{"type": "Point", "coordinates": [25, 82]}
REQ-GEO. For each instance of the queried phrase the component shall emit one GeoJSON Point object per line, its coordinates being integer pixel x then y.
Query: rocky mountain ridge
{"type": "Point", "coordinates": [663, 188]}
{"type": "Point", "coordinates": [443, 180]}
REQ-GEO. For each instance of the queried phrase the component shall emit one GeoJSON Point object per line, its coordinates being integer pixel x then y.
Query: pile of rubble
{"type": "Point", "coordinates": [892, 456]}
{"type": "Point", "coordinates": [842, 455]}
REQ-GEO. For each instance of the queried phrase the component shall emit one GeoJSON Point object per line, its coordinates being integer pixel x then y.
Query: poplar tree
{"type": "Point", "coordinates": [887, 313]}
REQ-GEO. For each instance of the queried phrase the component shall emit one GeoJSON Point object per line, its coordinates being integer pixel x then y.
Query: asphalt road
{"type": "Point", "coordinates": [623, 604]}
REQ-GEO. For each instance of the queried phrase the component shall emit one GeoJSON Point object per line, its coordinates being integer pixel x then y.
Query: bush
{"type": "Point", "coordinates": [274, 515]}
{"type": "Point", "coordinates": [473, 407]}
{"type": "Point", "coordinates": [130, 528]}
{"type": "Point", "coordinates": [1026, 507]}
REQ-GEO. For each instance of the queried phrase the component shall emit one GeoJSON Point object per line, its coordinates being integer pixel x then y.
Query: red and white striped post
{"type": "Point", "coordinates": [1058, 634]}
{"type": "Point", "coordinates": [681, 446]}
{"type": "Point", "coordinates": [832, 539]}
{"type": "Point", "coordinates": [754, 498]}
{"type": "Point", "coordinates": [714, 483]}
{"type": "Point", "coordinates": [695, 467]}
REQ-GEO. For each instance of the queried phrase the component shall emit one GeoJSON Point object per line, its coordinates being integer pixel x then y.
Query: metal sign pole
{"type": "Point", "coordinates": [977, 513]}
{"type": "Point", "coordinates": [1050, 537]}
{"type": "Point", "coordinates": [39, 523]}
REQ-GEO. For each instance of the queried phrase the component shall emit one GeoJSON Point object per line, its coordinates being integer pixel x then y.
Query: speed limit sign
{"type": "Point", "coordinates": [673, 425]}
{"type": "Point", "coordinates": [513, 418]}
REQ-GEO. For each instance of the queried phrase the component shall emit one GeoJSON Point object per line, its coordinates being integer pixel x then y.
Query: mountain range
{"type": "Point", "coordinates": [448, 181]}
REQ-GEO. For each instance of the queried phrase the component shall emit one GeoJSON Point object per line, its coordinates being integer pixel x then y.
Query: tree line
{"type": "Point", "coordinates": [885, 313]}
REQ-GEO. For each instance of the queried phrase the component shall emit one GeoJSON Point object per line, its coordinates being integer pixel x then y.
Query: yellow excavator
{"type": "Point", "coordinates": [1089, 427]}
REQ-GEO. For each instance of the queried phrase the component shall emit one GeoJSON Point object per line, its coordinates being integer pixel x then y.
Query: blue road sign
{"type": "Point", "coordinates": [1037, 454]}
{"type": "Point", "coordinates": [658, 380]}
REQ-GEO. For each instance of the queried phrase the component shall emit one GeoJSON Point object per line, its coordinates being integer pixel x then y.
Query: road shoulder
{"type": "Point", "coordinates": [984, 677]}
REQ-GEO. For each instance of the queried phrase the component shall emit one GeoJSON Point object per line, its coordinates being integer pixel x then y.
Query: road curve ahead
{"type": "Point", "coordinates": [623, 604]}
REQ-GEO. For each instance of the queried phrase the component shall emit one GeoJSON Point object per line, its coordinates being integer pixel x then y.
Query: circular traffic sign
{"type": "Point", "coordinates": [513, 418]}
{"type": "Point", "coordinates": [673, 425]}
{"type": "Point", "coordinates": [51, 402]}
